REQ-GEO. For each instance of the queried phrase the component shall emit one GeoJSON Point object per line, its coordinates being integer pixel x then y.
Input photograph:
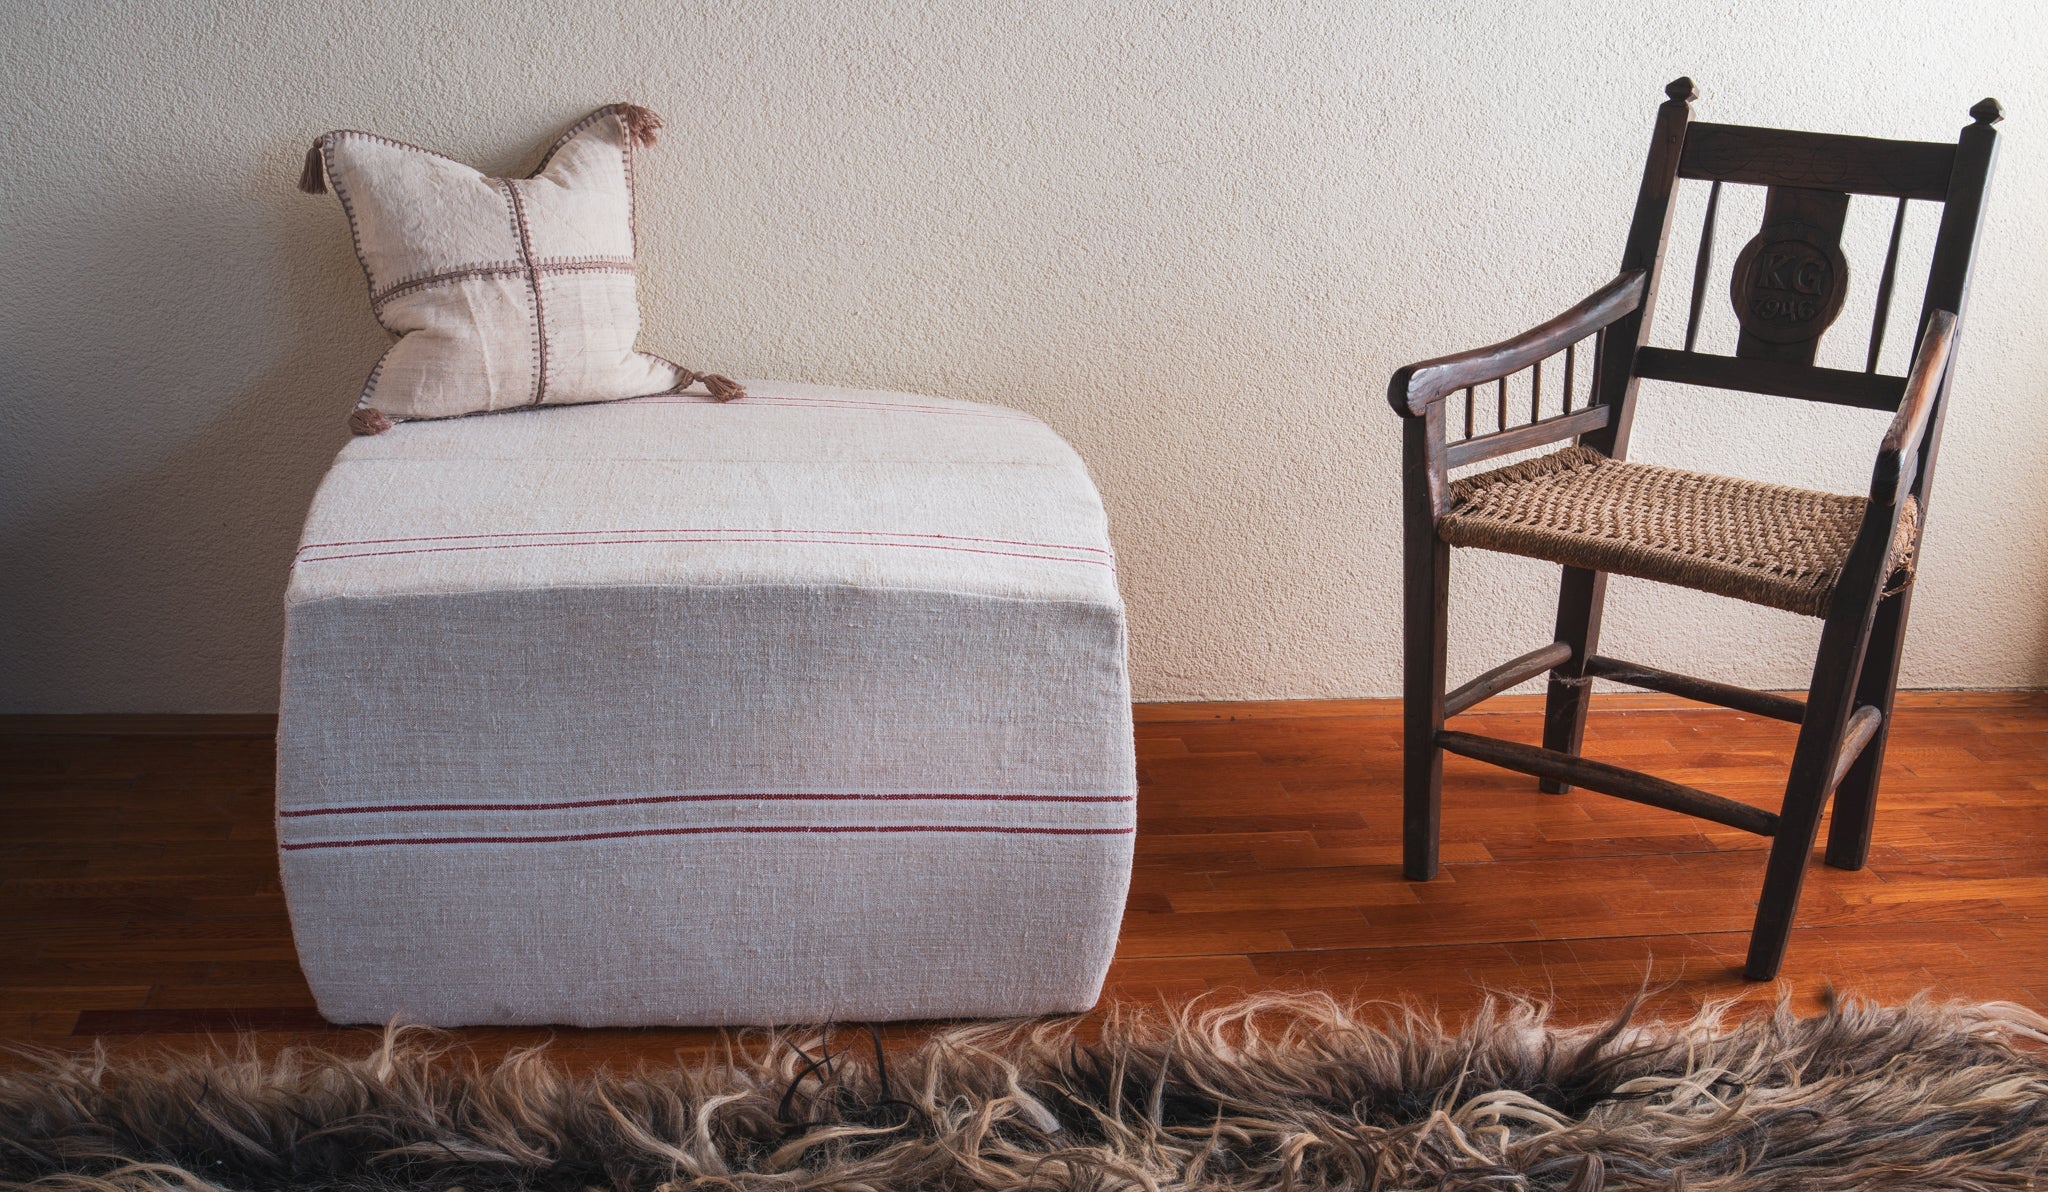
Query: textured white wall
{"type": "Point", "coordinates": [1195, 237]}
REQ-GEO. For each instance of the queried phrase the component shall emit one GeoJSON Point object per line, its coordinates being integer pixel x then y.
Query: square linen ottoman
{"type": "Point", "coordinates": [808, 706]}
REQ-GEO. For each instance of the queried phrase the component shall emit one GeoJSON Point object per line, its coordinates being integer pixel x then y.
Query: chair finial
{"type": "Point", "coordinates": [1681, 89]}
{"type": "Point", "coordinates": [1987, 111]}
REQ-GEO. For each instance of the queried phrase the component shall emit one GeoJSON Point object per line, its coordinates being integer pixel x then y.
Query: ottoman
{"type": "Point", "coordinates": [803, 707]}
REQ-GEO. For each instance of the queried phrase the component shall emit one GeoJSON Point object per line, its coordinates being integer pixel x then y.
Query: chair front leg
{"type": "Point", "coordinates": [1829, 701]}
{"type": "Point", "coordinates": [1425, 633]}
{"type": "Point", "coordinates": [1571, 692]}
{"type": "Point", "coordinates": [1856, 799]}
{"type": "Point", "coordinates": [1425, 603]}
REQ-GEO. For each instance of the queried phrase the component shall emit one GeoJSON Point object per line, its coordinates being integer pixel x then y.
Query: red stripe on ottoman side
{"type": "Point", "coordinates": [761, 830]}
{"type": "Point", "coordinates": [439, 550]}
{"type": "Point", "coordinates": [1096, 550]}
{"type": "Point", "coordinates": [712, 798]}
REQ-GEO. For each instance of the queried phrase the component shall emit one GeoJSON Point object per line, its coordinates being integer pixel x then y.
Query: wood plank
{"type": "Point", "coordinates": [199, 1021]}
{"type": "Point", "coordinates": [146, 724]}
{"type": "Point", "coordinates": [1270, 845]}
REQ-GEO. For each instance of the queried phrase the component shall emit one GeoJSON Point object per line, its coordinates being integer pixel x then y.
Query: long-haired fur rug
{"type": "Point", "coordinates": [1269, 1092]}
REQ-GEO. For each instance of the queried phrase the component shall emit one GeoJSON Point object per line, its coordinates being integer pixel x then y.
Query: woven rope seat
{"type": "Point", "coordinates": [1765, 543]}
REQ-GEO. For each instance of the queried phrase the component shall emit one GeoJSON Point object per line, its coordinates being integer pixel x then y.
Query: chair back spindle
{"type": "Point", "coordinates": [1884, 287]}
{"type": "Point", "coordinates": [1703, 265]}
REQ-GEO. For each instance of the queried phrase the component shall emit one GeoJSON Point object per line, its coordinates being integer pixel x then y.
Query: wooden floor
{"type": "Point", "coordinates": [139, 895]}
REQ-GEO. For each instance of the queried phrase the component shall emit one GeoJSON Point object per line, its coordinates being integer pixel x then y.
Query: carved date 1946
{"type": "Point", "coordinates": [1788, 288]}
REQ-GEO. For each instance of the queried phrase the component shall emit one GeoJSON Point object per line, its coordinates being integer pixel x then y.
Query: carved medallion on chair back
{"type": "Point", "coordinates": [1789, 281]}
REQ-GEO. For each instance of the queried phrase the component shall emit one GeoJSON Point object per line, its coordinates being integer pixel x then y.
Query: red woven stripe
{"type": "Point", "coordinates": [701, 530]}
{"type": "Point", "coordinates": [968, 550]}
{"type": "Point", "coordinates": [626, 834]}
{"type": "Point", "coordinates": [717, 798]}
{"type": "Point", "coordinates": [830, 403]}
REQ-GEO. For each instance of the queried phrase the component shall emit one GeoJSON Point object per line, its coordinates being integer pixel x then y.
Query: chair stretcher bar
{"type": "Point", "coordinates": [1610, 780]}
{"type": "Point", "coordinates": [1506, 675]}
{"type": "Point", "coordinates": [1706, 691]}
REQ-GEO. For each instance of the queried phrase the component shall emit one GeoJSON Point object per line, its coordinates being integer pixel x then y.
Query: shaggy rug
{"type": "Point", "coordinates": [1270, 1092]}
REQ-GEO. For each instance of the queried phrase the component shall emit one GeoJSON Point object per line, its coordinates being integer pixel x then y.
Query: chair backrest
{"type": "Point", "coordinates": [1789, 282]}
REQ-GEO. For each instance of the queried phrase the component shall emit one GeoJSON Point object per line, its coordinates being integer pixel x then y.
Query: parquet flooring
{"type": "Point", "coordinates": [139, 897]}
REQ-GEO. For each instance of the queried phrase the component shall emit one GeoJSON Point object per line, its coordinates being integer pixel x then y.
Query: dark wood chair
{"type": "Point", "coordinates": [1846, 559]}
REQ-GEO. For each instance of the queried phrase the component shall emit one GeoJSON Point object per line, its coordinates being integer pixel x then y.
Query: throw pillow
{"type": "Point", "coordinates": [503, 292]}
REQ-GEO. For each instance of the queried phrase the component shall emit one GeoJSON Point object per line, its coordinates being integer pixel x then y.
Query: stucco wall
{"type": "Point", "coordinates": [1196, 238]}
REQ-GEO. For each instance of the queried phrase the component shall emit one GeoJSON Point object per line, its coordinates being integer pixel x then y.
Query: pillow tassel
{"type": "Point", "coordinates": [641, 124]}
{"type": "Point", "coordinates": [722, 388]}
{"type": "Point", "coordinates": [314, 179]}
{"type": "Point", "coordinates": [369, 420]}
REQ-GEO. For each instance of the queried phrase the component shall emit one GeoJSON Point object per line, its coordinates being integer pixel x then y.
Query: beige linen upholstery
{"type": "Point", "coordinates": [503, 292]}
{"type": "Point", "coordinates": [806, 706]}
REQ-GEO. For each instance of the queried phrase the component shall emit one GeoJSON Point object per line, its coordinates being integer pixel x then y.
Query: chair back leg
{"type": "Point", "coordinates": [1579, 603]}
{"type": "Point", "coordinates": [1856, 798]}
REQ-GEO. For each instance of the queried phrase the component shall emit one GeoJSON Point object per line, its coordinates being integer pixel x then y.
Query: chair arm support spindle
{"type": "Point", "coordinates": [1416, 386]}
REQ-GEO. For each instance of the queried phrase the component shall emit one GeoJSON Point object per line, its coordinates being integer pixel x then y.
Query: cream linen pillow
{"type": "Point", "coordinates": [503, 292]}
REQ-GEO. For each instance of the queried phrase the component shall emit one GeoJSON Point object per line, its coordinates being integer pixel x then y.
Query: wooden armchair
{"type": "Point", "coordinates": [1846, 559]}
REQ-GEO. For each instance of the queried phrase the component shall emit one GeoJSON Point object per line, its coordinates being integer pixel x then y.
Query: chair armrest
{"type": "Point", "coordinates": [1416, 386]}
{"type": "Point", "coordinates": [1898, 456]}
